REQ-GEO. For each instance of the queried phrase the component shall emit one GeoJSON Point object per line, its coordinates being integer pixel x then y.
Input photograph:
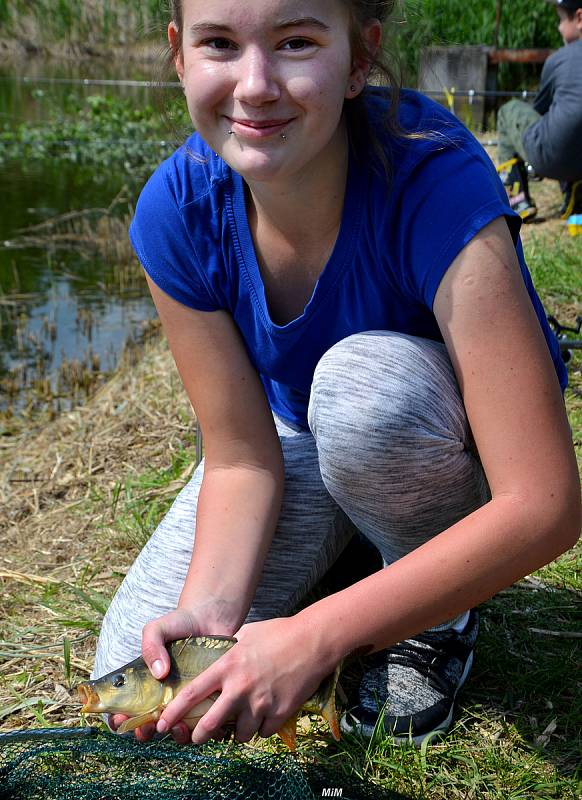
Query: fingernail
{"type": "Point", "coordinates": [162, 726]}
{"type": "Point", "coordinates": [158, 669]}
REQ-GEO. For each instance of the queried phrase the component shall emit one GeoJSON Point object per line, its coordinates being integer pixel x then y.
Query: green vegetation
{"type": "Point", "coordinates": [523, 23]}
{"type": "Point", "coordinates": [99, 131]}
{"type": "Point", "coordinates": [451, 22]}
{"type": "Point", "coordinates": [88, 25]}
{"type": "Point", "coordinates": [556, 269]}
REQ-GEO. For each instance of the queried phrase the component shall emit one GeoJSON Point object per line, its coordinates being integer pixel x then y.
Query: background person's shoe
{"type": "Point", "coordinates": [513, 174]}
{"type": "Point", "coordinates": [410, 689]}
{"type": "Point", "coordinates": [571, 209]}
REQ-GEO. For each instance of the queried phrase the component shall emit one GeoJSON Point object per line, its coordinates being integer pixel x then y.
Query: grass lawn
{"type": "Point", "coordinates": [79, 495]}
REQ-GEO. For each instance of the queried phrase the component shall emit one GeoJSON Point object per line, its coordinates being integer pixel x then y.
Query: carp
{"type": "Point", "coordinates": [132, 689]}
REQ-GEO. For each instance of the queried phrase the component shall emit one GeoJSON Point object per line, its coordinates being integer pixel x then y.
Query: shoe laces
{"type": "Point", "coordinates": [425, 656]}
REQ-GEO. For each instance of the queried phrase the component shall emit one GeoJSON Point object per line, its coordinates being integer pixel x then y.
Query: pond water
{"type": "Point", "coordinates": [62, 306]}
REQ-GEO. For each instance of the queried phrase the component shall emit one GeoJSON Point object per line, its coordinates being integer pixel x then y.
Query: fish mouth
{"type": "Point", "coordinates": [89, 698]}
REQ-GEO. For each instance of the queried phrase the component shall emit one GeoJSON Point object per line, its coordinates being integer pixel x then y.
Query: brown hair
{"type": "Point", "coordinates": [361, 132]}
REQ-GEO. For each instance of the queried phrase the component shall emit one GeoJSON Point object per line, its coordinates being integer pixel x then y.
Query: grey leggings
{"type": "Point", "coordinates": [389, 453]}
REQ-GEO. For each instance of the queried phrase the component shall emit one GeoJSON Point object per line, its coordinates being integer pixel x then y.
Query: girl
{"type": "Point", "coordinates": [343, 289]}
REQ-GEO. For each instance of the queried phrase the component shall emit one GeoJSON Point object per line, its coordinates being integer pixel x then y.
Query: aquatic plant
{"type": "Point", "coordinates": [100, 131]}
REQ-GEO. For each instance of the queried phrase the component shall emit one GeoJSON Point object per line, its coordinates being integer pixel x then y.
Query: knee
{"type": "Point", "coordinates": [379, 398]}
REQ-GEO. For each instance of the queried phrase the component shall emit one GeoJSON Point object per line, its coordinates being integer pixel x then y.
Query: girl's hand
{"type": "Point", "coordinates": [263, 680]}
{"type": "Point", "coordinates": [178, 624]}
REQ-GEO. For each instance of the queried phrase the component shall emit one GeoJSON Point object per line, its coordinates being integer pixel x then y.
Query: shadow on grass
{"type": "Point", "coordinates": [525, 673]}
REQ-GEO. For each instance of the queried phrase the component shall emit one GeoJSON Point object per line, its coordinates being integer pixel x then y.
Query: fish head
{"type": "Point", "coordinates": [127, 690]}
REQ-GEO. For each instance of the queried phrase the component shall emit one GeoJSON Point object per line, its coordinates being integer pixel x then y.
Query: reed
{"type": "Point", "coordinates": [87, 25]}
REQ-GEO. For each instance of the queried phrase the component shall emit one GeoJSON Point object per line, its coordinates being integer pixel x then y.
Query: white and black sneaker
{"type": "Point", "coordinates": [410, 689]}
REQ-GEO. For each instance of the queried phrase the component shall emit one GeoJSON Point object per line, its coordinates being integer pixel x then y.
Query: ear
{"type": "Point", "coordinates": [176, 48]}
{"type": "Point", "coordinates": [372, 37]}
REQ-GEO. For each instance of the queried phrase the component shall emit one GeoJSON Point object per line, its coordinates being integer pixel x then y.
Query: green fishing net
{"type": "Point", "coordinates": [86, 764]}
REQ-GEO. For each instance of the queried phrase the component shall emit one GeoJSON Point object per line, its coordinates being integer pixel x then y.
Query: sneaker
{"type": "Point", "coordinates": [410, 690]}
{"type": "Point", "coordinates": [513, 174]}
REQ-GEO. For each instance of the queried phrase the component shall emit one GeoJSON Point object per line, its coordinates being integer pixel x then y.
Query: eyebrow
{"type": "Point", "coordinates": [296, 22]}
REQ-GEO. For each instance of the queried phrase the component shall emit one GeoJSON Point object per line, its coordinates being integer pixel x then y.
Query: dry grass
{"type": "Point", "coordinates": [54, 543]}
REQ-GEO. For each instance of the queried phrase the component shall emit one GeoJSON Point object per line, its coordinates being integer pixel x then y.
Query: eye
{"type": "Point", "coordinates": [119, 680]}
{"type": "Point", "coordinates": [297, 44]}
{"type": "Point", "coordinates": [218, 43]}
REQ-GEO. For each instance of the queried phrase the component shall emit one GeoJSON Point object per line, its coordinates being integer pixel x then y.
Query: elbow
{"type": "Point", "coordinates": [573, 522]}
{"type": "Point", "coordinates": [550, 521]}
{"type": "Point", "coordinates": [566, 524]}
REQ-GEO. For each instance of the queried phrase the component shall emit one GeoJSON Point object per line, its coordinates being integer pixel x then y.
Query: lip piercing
{"type": "Point", "coordinates": [284, 137]}
{"type": "Point", "coordinates": [230, 133]}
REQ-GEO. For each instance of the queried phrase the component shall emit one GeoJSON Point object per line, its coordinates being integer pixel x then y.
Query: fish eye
{"type": "Point", "coordinates": [119, 681]}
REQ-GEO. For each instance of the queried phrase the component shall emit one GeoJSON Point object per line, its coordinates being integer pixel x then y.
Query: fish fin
{"type": "Point", "coordinates": [323, 703]}
{"type": "Point", "coordinates": [288, 732]}
{"type": "Point", "coordinates": [136, 722]}
{"type": "Point", "coordinates": [329, 713]}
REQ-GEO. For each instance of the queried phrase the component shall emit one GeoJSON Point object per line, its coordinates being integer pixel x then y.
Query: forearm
{"type": "Point", "coordinates": [238, 508]}
{"type": "Point", "coordinates": [458, 569]}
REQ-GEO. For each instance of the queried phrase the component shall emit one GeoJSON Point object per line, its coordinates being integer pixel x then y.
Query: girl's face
{"type": "Point", "coordinates": [570, 29]}
{"type": "Point", "coordinates": [265, 80]}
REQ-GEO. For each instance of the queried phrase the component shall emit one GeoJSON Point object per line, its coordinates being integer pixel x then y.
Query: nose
{"type": "Point", "coordinates": [257, 81]}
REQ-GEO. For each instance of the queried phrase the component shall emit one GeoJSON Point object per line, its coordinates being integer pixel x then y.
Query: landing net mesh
{"type": "Point", "coordinates": [87, 764]}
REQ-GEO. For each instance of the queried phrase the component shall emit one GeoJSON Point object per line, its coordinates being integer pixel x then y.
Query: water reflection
{"type": "Point", "coordinates": [59, 306]}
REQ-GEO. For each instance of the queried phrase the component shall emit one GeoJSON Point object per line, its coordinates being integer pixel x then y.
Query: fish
{"type": "Point", "coordinates": [133, 691]}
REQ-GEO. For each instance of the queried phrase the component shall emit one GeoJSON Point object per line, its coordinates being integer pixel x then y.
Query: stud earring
{"type": "Point", "coordinates": [353, 88]}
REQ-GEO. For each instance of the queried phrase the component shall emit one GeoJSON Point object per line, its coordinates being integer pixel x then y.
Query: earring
{"type": "Point", "coordinates": [353, 88]}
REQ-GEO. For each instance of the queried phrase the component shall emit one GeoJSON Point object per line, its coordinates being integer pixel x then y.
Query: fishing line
{"type": "Point", "coordinates": [136, 84]}
{"type": "Point", "coordinates": [92, 82]}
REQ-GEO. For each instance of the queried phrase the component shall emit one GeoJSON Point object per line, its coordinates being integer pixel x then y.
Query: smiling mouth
{"type": "Point", "coordinates": [271, 123]}
{"type": "Point", "coordinates": [257, 130]}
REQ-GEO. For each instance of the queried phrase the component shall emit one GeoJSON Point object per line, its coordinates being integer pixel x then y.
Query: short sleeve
{"type": "Point", "coordinates": [450, 195]}
{"type": "Point", "coordinates": [164, 245]}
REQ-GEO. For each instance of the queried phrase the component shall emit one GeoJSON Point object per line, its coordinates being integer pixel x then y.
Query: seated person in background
{"type": "Point", "coordinates": [548, 134]}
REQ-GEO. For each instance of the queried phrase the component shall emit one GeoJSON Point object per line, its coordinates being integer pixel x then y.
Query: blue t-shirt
{"type": "Point", "coordinates": [191, 233]}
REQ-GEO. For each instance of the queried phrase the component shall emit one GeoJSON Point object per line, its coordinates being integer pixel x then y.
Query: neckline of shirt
{"type": "Point", "coordinates": [340, 258]}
